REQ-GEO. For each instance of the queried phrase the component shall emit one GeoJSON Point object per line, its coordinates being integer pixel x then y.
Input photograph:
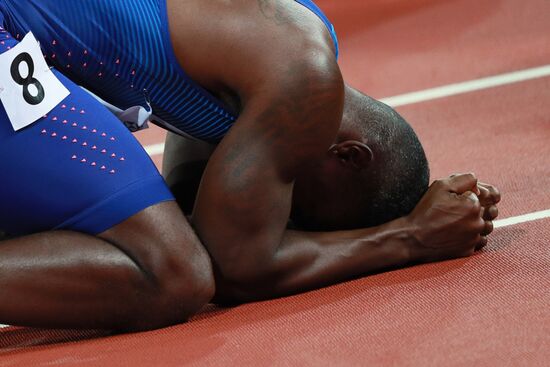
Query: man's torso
{"type": "Point", "coordinates": [127, 53]}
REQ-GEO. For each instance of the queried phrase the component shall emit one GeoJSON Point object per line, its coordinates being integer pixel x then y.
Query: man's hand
{"type": "Point", "coordinates": [489, 196]}
{"type": "Point", "coordinates": [453, 218]}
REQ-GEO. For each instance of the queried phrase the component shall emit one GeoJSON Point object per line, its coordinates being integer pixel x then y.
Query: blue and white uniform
{"type": "Point", "coordinates": [77, 168]}
{"type": "Point", "coordinates": [121, 51]}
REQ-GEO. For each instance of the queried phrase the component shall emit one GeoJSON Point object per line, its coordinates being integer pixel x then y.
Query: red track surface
{"type": "Point", "coordinates": [395, 46]}
{"type": "Point", "coordinates": [488, 310]}
{"type": "Point", "coordinates": [501, 134]}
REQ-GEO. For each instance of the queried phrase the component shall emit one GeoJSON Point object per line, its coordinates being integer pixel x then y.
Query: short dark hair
{"type": "Point", "coordinates": [394, 187]}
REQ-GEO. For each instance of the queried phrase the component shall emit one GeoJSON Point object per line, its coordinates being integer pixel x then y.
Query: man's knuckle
{"type": "Point", "coordinates": [471, 176]}
{"type": "Point", "coordinates": [489, 226]}
{"type": "Point", "coordinates": [484, 192]}
{"type": "Point", "coordinates": [474, 205]}
{"type": "Point", "coordinates": [479, 225]}
{"type": "Point", "coordinates": [496, 194]}
{"type": "Point", "coordinates": [469, 205]}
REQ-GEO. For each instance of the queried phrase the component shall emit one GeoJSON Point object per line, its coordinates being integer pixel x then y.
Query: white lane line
{"type": "Point", "coordinates": [497, 224]}
{"type": "Point", "coordinates": [468, 86]}
{"type": "Point", "coordinates": [521, 219]}
{"type": "Point", "coordinates": [439, 92]}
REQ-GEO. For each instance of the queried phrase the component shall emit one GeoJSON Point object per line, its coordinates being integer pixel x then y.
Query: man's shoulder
{"type": "Point", "coordinates": [248, 40]}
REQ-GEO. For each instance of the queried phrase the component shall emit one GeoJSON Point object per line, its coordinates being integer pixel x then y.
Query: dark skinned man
{"type": "Point", "coordinates": [261, 82]}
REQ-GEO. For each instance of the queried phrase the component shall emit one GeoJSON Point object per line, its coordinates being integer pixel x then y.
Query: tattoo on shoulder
{"type": "Point", "coordinates": [274, 10]}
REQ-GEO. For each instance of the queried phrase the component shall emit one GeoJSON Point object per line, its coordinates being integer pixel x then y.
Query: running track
{"type": "Point", "coordinates": [488, 310]}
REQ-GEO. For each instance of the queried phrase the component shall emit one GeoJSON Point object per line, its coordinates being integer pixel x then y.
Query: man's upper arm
{"type": "Point", "coordinates": [246, 192]}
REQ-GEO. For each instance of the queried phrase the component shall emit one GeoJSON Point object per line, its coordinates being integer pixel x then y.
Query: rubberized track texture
{"type": "Point", "coordinates": [492, 309]}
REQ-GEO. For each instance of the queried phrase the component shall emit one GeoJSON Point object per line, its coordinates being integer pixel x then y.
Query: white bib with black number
{"type": "Point", "coordinates": [28, 88]}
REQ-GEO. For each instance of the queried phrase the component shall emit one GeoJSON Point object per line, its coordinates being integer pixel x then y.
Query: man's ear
{"type": "Point", "coordinates": [353, 154]}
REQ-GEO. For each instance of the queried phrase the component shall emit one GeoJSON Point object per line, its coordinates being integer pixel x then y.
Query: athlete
{"type": "Point", "coordinates": [96, 239]}
{"type": "Point", "coordinates": [260, 81]}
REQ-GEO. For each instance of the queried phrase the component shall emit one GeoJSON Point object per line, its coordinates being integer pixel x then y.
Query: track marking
{"type": "Point", "coordinates": [468, 86]}
{"type": "Point", "coordinates": [497, 224]}
{"type": "Point", "coordinates": [439, 92]}
{"type": "Point", "coordinates": [521, 219]}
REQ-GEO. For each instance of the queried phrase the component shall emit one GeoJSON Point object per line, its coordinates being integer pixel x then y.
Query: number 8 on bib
{"type": "Point", "coordinates": [28, 87]}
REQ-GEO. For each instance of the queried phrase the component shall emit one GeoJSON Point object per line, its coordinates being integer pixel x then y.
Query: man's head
{"type": "Point", "coordinates": [375, 171]}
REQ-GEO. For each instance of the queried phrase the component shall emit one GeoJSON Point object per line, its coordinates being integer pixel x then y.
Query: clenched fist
{"type": "Point", "coordinates": [453, 218]}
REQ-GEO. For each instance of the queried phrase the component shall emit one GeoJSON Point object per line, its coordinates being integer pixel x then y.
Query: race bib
{"type": "Point", "coordinates": [28, 88]}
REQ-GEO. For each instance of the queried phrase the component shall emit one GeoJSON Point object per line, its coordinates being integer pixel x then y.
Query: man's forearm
{"type": "Point", "coordinates": [446, 224]}
{"type": "Point", "coordinates": [309, 260]}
